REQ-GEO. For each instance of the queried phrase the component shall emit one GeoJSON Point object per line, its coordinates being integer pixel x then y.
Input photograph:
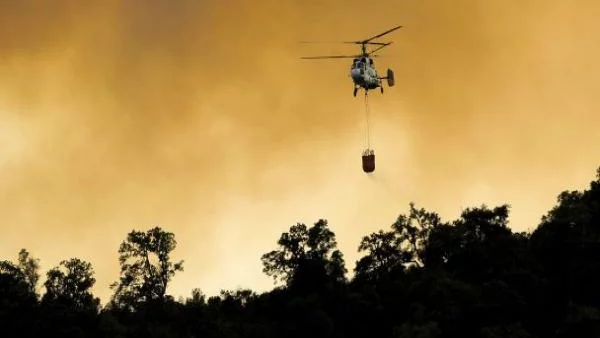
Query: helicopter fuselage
{"type": "Point", "coordinates": [363, 74]}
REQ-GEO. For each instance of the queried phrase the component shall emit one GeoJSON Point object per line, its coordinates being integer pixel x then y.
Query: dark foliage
{"type": "Point", "coordinates": [422, 277]}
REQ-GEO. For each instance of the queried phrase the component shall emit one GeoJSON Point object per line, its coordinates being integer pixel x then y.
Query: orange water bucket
{"type": "Point", "coordinates": [368, 162]}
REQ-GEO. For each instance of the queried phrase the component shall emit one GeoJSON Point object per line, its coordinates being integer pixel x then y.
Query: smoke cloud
{"type": "Point", "coordinates": [199, 117]}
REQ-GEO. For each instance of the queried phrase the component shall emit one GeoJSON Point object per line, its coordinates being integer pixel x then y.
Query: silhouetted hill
{"type": "Point", "coordinates": [422, 277]}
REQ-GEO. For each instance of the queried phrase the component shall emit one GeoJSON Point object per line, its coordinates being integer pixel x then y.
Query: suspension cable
{"type": "Point", "coordinates": [368, 121]}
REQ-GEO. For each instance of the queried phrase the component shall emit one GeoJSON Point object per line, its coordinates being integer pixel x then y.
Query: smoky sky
{"type": "Point", "coordinates": [199, 117]}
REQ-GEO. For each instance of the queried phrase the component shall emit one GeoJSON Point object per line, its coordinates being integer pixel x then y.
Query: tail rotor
{"type": "Point", "coordinates": [390, 78]}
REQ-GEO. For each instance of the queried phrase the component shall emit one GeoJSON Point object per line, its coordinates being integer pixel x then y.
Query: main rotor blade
{"type": "Point", "coordinates": [377, 43]}
{"type": "Point", "coordinates": [380, 48]}
{"type": "Point", "coordinates": [335, 57]}
{"type": "Point", "coordinates": [327, 42]}
{"type": "Point", "coordinates": [331, 57]}
{"type": "Point", "coordinates": [382, 34]}
{"type": "Point", "coordinates": [348, 42]}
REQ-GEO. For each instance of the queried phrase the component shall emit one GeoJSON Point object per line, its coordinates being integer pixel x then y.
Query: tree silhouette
{"type": "Point", "coordinates": [413, 231]}
{"type": "Point", "coordinates": [306, 256]}
{"type": "Point", "coordinates": [20, 279]}
{"type": "Point", "coordinates": [18, 299]}
{"type": "Point", "coordinates": [281, 264]}
{"type": "Point", "coordinates": [30, 267]}
{"type": "Point", "coordinates": [70, 283]}
{"type": "Point", "coordinates": [383, 255]}
{"type": "Point", "coordinates": [404, 245]}
{"type": "Point", "coordinates": [146, 267]}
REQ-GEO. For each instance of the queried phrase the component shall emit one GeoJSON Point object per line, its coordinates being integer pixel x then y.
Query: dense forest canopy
{"type": "Point", "coordinates": [421, 277]}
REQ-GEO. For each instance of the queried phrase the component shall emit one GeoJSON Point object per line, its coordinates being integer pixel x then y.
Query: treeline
{"type": "Point", "coordinates": [422, 277]}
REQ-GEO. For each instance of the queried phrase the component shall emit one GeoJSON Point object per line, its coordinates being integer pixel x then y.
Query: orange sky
{"type": "Point", "coordinates": [199, 117]}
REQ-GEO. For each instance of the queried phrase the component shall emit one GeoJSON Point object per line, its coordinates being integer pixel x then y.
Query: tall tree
{"type": "Point", "coordinates": [71, 283]}
{"type": "Point", "coordinates": [282, 263]}
{"type": "Point", "coordinates": [18, 300]}
{"type": "Point", "coordinates": [30, 267]}
{"type": "Point", "coordinates": [14, 283]}
{"type": "Point", "coordinates": [567, 243]}
{"type": "Point", "coordinates": [305, 251]}
{"type": "Point", "coordinates": [146, 267]}
{"type": "Point", "coordinates": [404, 245]}
{"type": "Point", "coordinates": [25, 272]}
{"type": "Point", "coordinates": [382, 255]}
{"type": "Point", "coordinates": [412, 231]}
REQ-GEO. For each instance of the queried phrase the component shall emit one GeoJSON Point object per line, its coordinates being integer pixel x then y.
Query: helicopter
{"type": "Point", "coordinates": [363, 71]}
